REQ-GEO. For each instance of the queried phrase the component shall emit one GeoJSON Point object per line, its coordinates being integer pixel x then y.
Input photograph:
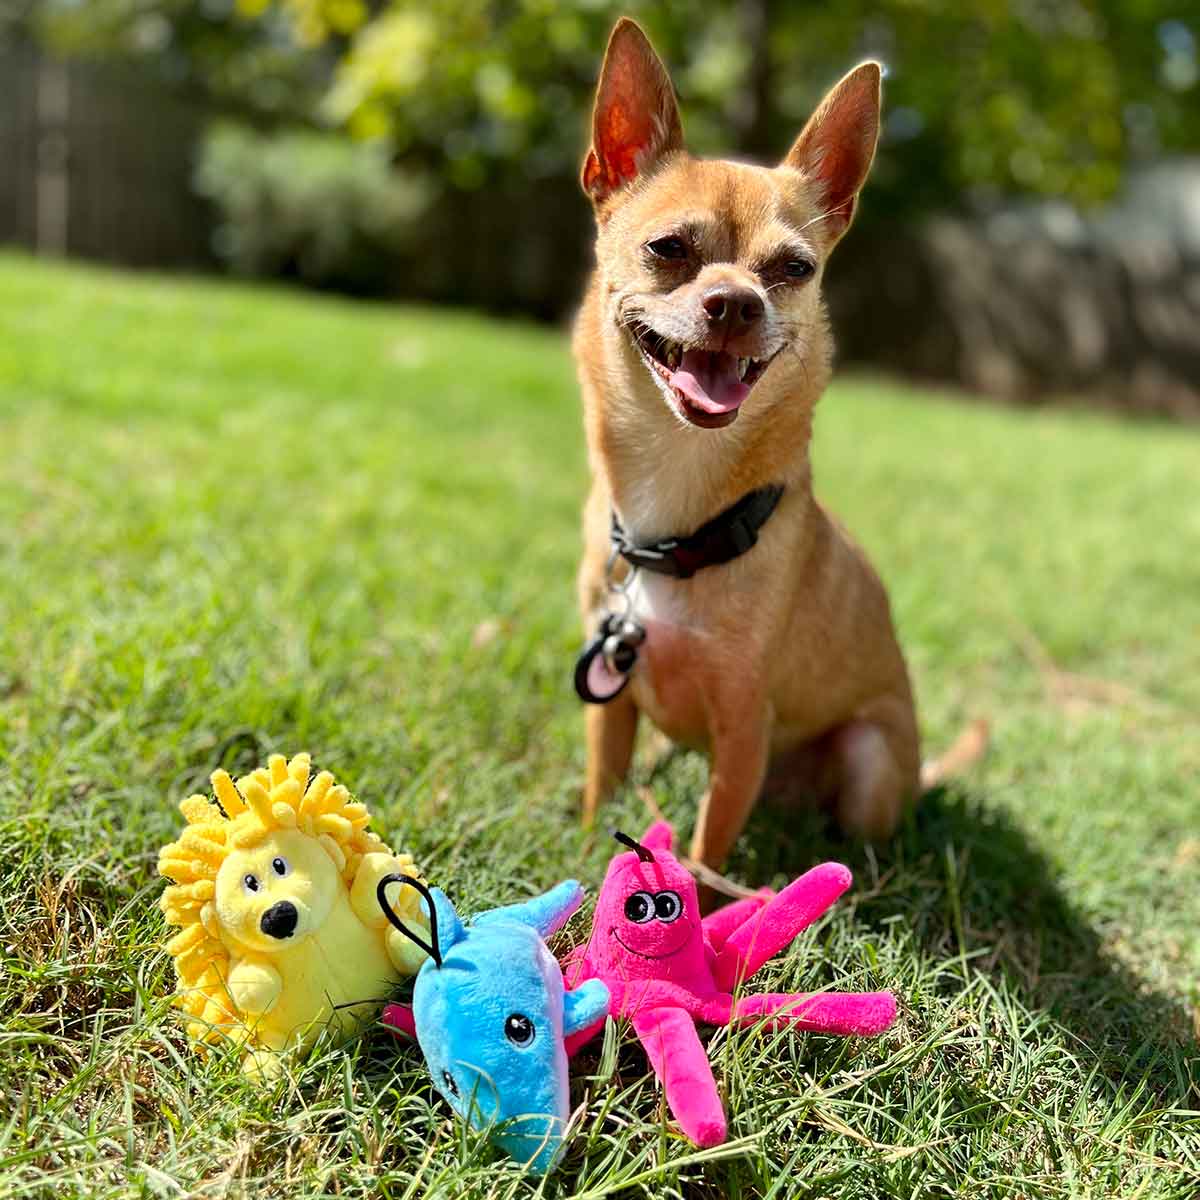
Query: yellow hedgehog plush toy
{"type": "Point", "coordinates": [273, 888]}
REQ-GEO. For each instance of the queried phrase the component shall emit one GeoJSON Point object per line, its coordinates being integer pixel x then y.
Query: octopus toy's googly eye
{"type": "Point", "coordinates": [251, 883]}
{"type": "Point", "coordinates": [450, 1085]}
{"type": "Point", "coordinates": [281, 866]}
{"type": "Point", "coordinates": [519, 1030]}
{"type": "Point", "coordinates": [639, 908]}
{"type": "Point", "coordinates": [668, 907]}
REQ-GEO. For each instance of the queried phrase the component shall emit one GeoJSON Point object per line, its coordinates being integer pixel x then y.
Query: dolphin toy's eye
{"type": "Point", "coordinates": [639, 908]}
{"type": "Point", "coordinates": [451, 1086]}
{"type": "Point", "coordinates": [519, 1030]}
{"type": "Point", "coordinates": [668, 907]}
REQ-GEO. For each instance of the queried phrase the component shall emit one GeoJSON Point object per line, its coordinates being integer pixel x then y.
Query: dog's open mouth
{"type": "Point", "coordinates": [707, 387]}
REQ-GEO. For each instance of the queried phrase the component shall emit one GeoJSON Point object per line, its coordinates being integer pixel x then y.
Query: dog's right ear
{"type": "Point", "coordinates": [636, 119]}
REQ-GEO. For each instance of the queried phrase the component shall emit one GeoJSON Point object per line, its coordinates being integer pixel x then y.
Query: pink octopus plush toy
{"type": "Point", "coordinates": [667, 969]}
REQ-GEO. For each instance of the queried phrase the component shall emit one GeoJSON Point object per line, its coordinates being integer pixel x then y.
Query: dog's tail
{"type": "Point", "coordinates": [968, 748]}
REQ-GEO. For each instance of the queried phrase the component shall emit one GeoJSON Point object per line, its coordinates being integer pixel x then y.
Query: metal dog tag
{"type": "Point", "coordinates": [603, 666]}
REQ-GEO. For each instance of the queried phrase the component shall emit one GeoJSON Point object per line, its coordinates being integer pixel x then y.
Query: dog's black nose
{"type": "Point", "coordinates": [279, 921]}
{"type": "Point", "coordinates": [737, 309]}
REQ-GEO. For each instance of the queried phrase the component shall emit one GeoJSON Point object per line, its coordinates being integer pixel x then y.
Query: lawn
{"type": "Point", "coordinates": [238, 520]}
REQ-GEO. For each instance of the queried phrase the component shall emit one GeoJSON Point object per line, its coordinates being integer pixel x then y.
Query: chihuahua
{"type": "Point", "coordinates": [702, 348]}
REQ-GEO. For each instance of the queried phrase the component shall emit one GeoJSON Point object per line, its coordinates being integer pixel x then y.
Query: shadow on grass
{"type": "Point", "coordinates": [970, 884]}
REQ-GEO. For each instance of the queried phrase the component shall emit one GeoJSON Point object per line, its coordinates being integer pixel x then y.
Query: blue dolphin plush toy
{"type": "Point", "coordinates": [490, 1012]}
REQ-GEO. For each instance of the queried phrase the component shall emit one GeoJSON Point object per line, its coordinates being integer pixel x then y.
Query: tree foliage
{"type": "Point", "coordinates": [984, 97]}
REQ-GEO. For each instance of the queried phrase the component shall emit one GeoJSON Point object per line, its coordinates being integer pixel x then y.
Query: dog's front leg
{"type": "Point", "coordinates": [611, 732]}
{"type": "Point", "coordinates": [740, 744]}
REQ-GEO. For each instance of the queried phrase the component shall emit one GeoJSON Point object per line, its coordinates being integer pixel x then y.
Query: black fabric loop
{"type": "Point", "coordinates": [726, 537]}
{"type": "Point", "coordinates": [645, 855]}
{"type": "Point", "coordinates": [430, 947]}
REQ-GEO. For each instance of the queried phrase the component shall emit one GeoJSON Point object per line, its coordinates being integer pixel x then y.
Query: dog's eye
{"type": "Point", "coordinates": [250, 883]}
{"type": "Point", "coordinates": [668, 907]}
{"type": "Point", "coordinates": [639, 907]}
{"type": "Point", "coordinates": [798, 268]}
{"type": "Point", "coordinates": [451, 1086]}
{"type": "Point", "coordinates": [518, 1028]}
{"type": "Point", "coordinates": [280, 866]}
{"type": "Point", "coordinates": [668, 247]}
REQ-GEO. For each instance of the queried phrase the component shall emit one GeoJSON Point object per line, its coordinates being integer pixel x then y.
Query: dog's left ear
{"type": "Point", "coordinates": [837, 145]}
{"type": "Point", "coordinates": [636, 120]}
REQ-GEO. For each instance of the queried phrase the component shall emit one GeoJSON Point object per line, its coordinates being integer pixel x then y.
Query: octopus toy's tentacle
{"type": "Point", "coordinates": [575, 1042]}
{"type": "Point", "coordinates": [861, 1014]}
{"type": "Point", "coordinates": [398, 1018]}
{"type": "Point", "coordinates": [720, 924]}
{"type": "Point", "coordinates": [679, 1060]}
{"type": "Point", "coordinates": [778, 922]}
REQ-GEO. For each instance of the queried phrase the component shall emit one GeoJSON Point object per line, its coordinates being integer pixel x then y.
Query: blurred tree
{"type": "Point", "coordinates": [984, 97]}
{"type": "Point", "coordinates": [206, 47]}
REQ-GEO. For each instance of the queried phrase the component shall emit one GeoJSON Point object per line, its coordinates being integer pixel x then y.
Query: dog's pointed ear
{"type": "Point", "coordinates": [837, 145]}
{"type": "Point", "coordinates": [636, 119]}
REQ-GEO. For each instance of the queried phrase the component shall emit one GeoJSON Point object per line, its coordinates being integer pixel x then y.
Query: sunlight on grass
{"type": "Point", "coordinates": [238, 520]}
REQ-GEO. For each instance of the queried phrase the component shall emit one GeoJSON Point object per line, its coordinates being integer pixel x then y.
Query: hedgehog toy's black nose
{"type": "Point", "coordinates": [279, 921]}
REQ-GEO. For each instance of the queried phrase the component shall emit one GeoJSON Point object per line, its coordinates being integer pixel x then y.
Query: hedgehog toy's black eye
{"type": "Point", "coordinates": [451, 1086]}
{"type": "Point", "coordinates": [798, 268]}
{"type": "Point", "coordinates": [671, 248]}
{"type": "Point", "coordinates": [280, 866]}
{"type": "Point", "coordinates": [639, 908]}
{"type": "Point", "coordinates": [518, 1028]}
{"type": "Point", "coordinates": [668, 907]}
{"type": "Point", "coordinates": [250, 883]}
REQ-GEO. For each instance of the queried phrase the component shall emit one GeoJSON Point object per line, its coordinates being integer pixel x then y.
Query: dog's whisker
{"type": "Point", "coordinates": [801, 353]}
{"type": "Point", "coordinates": [815, 220]}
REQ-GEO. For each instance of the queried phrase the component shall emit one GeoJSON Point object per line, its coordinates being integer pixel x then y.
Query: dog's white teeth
{"type": "Point", "coordinates": [673, 355]}
{"type": "Point", "coordinates": [743, 367]}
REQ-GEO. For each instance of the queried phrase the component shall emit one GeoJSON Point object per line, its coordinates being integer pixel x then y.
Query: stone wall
{"type": "Point", "coordinates": [1039, 302]}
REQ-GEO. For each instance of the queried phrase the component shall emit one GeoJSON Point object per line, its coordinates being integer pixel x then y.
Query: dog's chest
{"type": "Point", "coordinates": [654, 599]}
{"type": "Point", "coordinates": [675, 665]}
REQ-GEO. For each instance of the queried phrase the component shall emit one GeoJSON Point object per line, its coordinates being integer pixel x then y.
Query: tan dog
{"type": "Point", "coordinates": [702, 348]}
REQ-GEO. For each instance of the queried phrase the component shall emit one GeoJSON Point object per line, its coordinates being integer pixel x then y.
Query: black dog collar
{"type": "Point", "coordinates": [726, 537]}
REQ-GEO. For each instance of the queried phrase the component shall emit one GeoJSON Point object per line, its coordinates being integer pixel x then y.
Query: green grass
{"type": "Point", "coordinates": [234, 521]}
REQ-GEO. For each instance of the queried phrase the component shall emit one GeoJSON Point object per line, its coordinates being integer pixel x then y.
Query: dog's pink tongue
{"type": "Point", "coordinates": [710, 381]}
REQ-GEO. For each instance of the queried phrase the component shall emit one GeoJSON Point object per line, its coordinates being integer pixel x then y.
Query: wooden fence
{"type": "Point", "coordinates": [97, 162]}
